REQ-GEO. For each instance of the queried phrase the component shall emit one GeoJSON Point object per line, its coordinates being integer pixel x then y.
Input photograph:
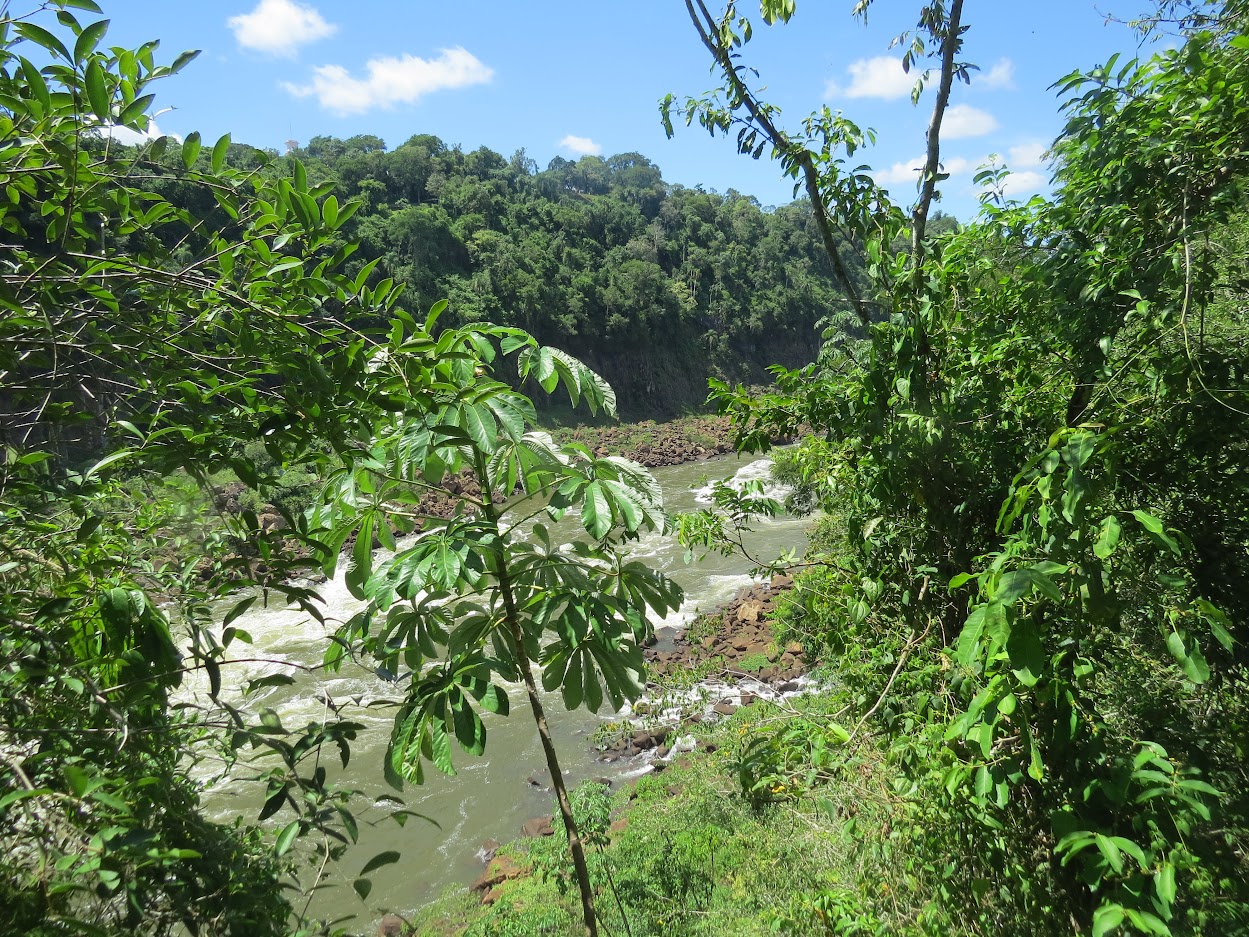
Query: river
{"type": "Point", "coordinates": [493, 795]}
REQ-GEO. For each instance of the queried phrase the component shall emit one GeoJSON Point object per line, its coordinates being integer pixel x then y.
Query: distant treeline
{"type": "Point", "coordinates": [656, 285]}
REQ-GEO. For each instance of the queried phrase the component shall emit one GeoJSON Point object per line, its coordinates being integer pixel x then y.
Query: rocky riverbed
{"type": "Point", "coordinates": [689, 439]}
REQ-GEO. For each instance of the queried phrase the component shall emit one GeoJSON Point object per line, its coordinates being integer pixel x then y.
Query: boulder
{"type": "Point", "coordinates": [643, 740]}
{"type": "Point", "coordinates": [391, 925]}
{"type": "Point", "coordinates": [538, 826]}
{"type": "Point", "coordinates": [501, 869]}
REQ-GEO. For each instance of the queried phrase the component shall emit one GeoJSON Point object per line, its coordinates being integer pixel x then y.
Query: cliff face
{"type": "Point", "coordinates": [667, 375]}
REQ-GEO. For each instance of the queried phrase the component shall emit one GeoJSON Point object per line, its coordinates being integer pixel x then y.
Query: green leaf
{"type": "Point", "coordinates": [97, 96]}
{"type": "Point", "coordinates": [390, 857]}
{"type": "Point", "coordinates": [1013, 586]}
{"type": "Point", "coordinates": [361, 557]}
{"type": "Point", "coordinates": [630, 513]}
{"type": "Point", "coordinates": [1026, 652]}
{"type": "Point", "coordinates": [1157, 531]}
{"type": "Point", "coordinates": [1147, 923]}
{"type": "Point", "coordinates": [19, 795]}
{"type": "Point", "coordinates": [595, 511]}
{"type": "Point", "coordinates": [286, 838]}
{"type": "Point", "coordinates": [1107, 538]}
{"type": "Point", "coordinates": [961, 579]}
{"type": "Point", "coordinates": [1078, 449]}
{"type": "Point", "coordinates": [239, 608]}
{"type": "Point", "coordinates": [273, 804]}
{"type": "Point", "coordinates": [969, 637]}
{"type": "Point", "coordinates": [469, 730]}
{"type": "Point", "coordinates": [495, 700]}
{"type": "Point", "coordinates": [480, 426]}
{"type": "Point", "coordinates": [440, 747]}
{"type": "Point", "coordinates": [183, 59]}
{"type": "Point", "coordinates": [1106, 919]}
{"type": "Point", "coordinates": [1164, 884]}
{"type": "Point", "coordinates": [592, 692]}
{"type": "Point", "coordinates": [190, 149]}
{"type": "Point", "coordinates": [1132, 849]}
{"type": "Point", "coordinates": [1218, 622]}
{"type": "Point", "coordinates": [274, 679]}
{"type": "Point", "coordinates": [1189, 657]}
{"type": "Point", "coordinates": [37, 84]}
{"type": "Point", "coordinates": [136, 109]}
{"type": "Point", "coordinates": [362, 887]}
{"type": "Point", "coordinates": [572, 683]}
{"type": "Point", "coordinates": [41, 37]}
{"type": "Point", "coordinates": [88, 39]}
{"type": "Point", "coordinates": [220, 148]}
{"type": "Point", "coordinates": [1110, 852]}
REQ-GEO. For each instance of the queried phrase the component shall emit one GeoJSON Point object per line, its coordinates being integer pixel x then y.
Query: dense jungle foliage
{"type": "Point", "coordinates": [1032, 581]}
{"type": "Point", "coordinates": [656, 286]}
{"type": "Point", "coordinates": [145, 338]}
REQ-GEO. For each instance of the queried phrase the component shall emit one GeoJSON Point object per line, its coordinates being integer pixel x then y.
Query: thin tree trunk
{"type": "Point", "coordinates": [575, 846]}
{"type": "Point", "coordinates": [932, 161]}
{"type": "Point", "coordinates": [706, 26]}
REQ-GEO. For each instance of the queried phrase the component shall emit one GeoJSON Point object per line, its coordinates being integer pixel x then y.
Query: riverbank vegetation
{"type": "Point", "coordinates": [1028, 586]}
{"type": "Point", "coordinates": [1033, 467]}
{"type": "Point", "coordinates": [145, 339]}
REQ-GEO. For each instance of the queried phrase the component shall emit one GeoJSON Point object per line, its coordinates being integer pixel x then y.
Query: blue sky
{"type": "Point", "coordinates": [564, 77]}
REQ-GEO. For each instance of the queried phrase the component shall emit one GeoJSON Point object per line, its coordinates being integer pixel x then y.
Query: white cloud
{"type": "Point", "coordinates": [1020, 185]}
{"type": "Point", "coordinates": [879, 77]}
{"type": "Point", "coordinates": [1026, 156]}
{"type": "Point", "coordinates": [1001, 75]}
{"type": "Point", "coordinates": [900, 172]}
{"type": "Point", "coordinates": [134, 137]}
{"type": "Point", "coordinates": [391, 81]}
{"type": "Point", "coordinates": [583, 145]}
{"type": "Point", "coordinates": [963, 120]}
{"type": "Point", "coordinates": [909, 171]}
{"type": "Point", "coordinates": [279, 27]}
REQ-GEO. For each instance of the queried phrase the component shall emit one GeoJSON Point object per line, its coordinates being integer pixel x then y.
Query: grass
{"type": "Point", "coordinates": [696, 857]}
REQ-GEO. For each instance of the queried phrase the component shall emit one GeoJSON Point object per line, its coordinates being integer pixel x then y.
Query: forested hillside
{"type": "Point", "coordinates": [657, 286]}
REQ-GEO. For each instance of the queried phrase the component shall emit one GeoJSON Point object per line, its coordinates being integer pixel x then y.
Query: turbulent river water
{"type": "Point", "coordinates": [491, 796]}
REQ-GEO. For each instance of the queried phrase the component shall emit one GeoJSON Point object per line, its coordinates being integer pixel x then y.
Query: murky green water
{"type": "Point", "coordinates": [491, 796]}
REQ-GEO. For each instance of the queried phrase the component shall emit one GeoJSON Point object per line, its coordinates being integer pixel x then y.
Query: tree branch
{"type": "Point", "coordinates": [950, 44]}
